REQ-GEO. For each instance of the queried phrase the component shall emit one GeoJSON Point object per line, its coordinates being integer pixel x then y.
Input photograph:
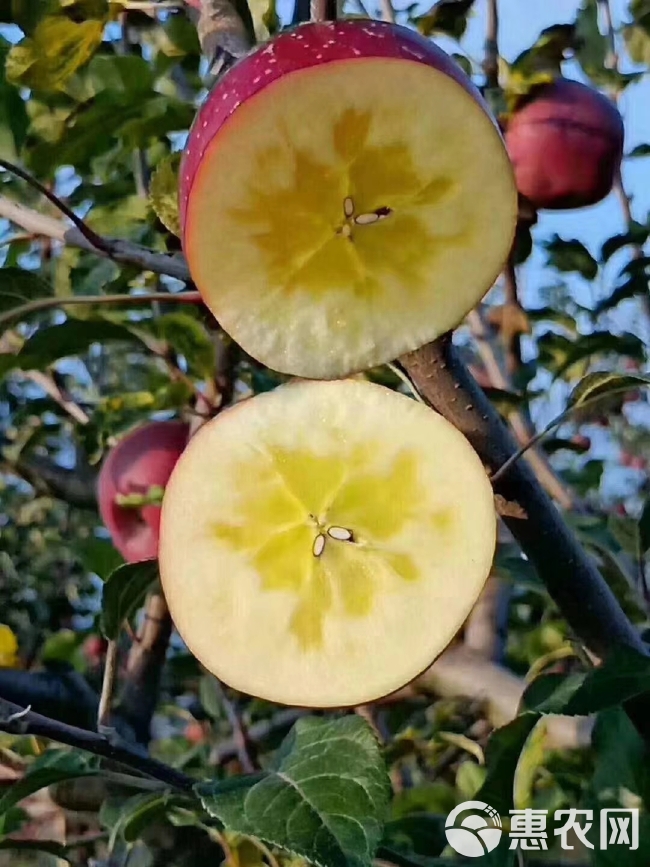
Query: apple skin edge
{"type": "Point", "coordinates": [295, 50]}
{"type": "Point", "coordinates": [566, 146]}
{"type": "Point", "coordinates": [143, 459]}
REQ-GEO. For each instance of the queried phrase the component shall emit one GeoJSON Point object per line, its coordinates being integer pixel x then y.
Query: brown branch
{"type": "Point", "coordinates": [387, 11]}
{"type": "Point", "coordinates": [89, 234]}
{"type": "Point", "coordinates": [50, 387]}
{"type": "Point", "coordinates": [573, 581]}
{"type": "Point", "coordinates": [222, 33]}
{"type": "Point", "coordinates": [244, 745]}
{"type": "Point", "coordinates": [141, 682]}
{"type": "Point", "coordinates": [323, 10]}
{"type": "Point", "coordinates": [14, 720]}
{"type": "Point", "coordinates": [108, 685]}
{"type": "Point", "coordinates": [41, 225]}
{"type": "Point", "coordinates": [462, 673]}
{"type": "Point", "coordinates": [76, 487]}
{"type": "Point", "coordinates": [491, 61]}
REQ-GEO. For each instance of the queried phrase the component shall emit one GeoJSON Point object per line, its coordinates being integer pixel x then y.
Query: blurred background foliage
{"type": "Point", "coordinates": [96, 98]}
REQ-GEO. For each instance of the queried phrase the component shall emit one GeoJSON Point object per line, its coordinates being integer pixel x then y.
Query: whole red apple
{"type": "Point", "coordinates": [566, 145]}
{"type": "Point", "coordinates": [143, 459]}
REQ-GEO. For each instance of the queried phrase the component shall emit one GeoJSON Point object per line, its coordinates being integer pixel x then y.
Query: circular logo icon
{"type": "Point", "coordinates": [473, 828]}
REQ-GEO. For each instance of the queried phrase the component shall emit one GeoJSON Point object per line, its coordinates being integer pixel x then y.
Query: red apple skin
{"type": "Point", "coordinates": [296, 49]}
{"type": "Point", "coordinates": [143, 459]}
{"type": "Point", "coordinates": [94, 649]}
{"type": "Point", "coordinates": [566, 146]}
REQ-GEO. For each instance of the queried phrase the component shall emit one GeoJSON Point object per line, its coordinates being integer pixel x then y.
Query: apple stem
{"type": "Point", "coordinates": [323, 10]}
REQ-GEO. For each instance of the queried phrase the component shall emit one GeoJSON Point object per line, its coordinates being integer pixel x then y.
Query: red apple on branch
{"type": "Point", "coordinates": [141, 461]}
{"type": "Point", "coordinates": [566, 145]}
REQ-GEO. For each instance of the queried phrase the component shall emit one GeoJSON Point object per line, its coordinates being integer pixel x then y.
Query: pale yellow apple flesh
{"type": "Point", "coordinates": [350, 213]}
{"type": "Point", "coordinates": [322, 543]}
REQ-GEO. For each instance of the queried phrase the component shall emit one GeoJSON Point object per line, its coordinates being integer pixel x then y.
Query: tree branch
{"type": "Point", "coordinates": [139, 694]}
{"type": "Point", "coordinates": [41, 726]}
{"type": "Point", "coordinates": [51, 389]}
{"type": "Point", "coordinates": [323, 10]}
{"type": "Point", "coordinates": [76, 487]}
{"type": "Point", "coordinates": [573, 581]}
{"type": "Point", "coordinates": [172, 265]}
{"type": "Point", "coordinates": [96, 241]}
{"type": "Point", "coordinates": [222, 33]}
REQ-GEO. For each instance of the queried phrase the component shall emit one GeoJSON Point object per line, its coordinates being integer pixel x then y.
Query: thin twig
{"type": "Point", "coordinates": [387, 11]}
{"type": "Point", "coordinates": [50, 387]}
{"type": "Point", "coordinates": [172, 265]}
{"type": "Point", "coordinates": [41, 726]}
{"type": "Point", "coordinates": [246, 752]}
{"type": "Point", "coordinates": [108, 686]}
{"type": "Point", "coordinates": [612, 62]}
{"type": "Point", "coordinates": [89, 234]}
{"type": "Point", "coordinates": [38, 304]}
{"type": "Point", "coordinates": [323, 10]}
{"type": "Point", "coordinates": [518, 423]}
{"type": "Point", "coordinates": [491, 61]}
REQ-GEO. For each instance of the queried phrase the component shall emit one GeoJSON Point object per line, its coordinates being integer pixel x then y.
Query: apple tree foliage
{"type": "Point", "coordinates": [95, 100]}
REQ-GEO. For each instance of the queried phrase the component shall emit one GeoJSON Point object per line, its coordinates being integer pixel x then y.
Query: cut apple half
{"type": "Point", "coordinates": [345, 197]}
{"type": "Point", "coordinates": [322, 543]}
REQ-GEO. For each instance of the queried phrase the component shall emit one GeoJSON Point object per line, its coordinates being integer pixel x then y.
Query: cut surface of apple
{"type": "Point", "coordinates": [322, 543]}
{"type": "Point", "coordinates": [345, 197]}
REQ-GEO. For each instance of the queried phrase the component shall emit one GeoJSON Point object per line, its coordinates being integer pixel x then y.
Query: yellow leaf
{"type": "Point", "coordinates": [57, 48]}
{"type": "Point", "coordinates": [8, 647]}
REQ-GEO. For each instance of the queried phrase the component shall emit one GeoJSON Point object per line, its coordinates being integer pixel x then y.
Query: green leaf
{"type": "Point", "coordinates": [13, 112]}
{"type": "Point", "coordinates": [636, 285]}
{"type": "Point", "coordinates": [143, 809]}
{"type": "Point", "coordinates": [18, 286]}
{"type": "Point", "coordinates": [592, 47]}
{"type": "Point", "coordinates": [57, 48]}
{"type": "Point", "coordinates": [163, 193]}
{"type": "Point", "coordinates": [530, 759]}
{"type": "Point", "coordinates": [190, 339]}
{"type": "Point", "coordinates": [417, 833]}
{"type": "Point", "coordinates": [446, 18]}
{"type": "Point", "coordinates": [637, 233]}
{"type": "Point", "coordinates": [560, 355]}
{"type": "Point", "coordinates": [123, 592]}
{"type": "Point", "coordinates": [571, 255]}
{"type": "Point", "coordinates": [98, 556]}
{"type": "Point", "coordinates": [622, 676]}
{"type": "Point", "coordinates": [637, 42]}
{"type": "Point", "coordinates": [324, 798]}
{"type": "Point", "coordinates": [72, 337]}
{"type": "Point", "coordinates": [51, 767]}
{"type": "Point", "coordinates": [620, 779]}
{"type": "Point", "coordinates": [501, 758]}
{"type": "Point", "coordinates": [642, 150]}
{"type": "Point", "coordinates": [594, 386]}
{"type": "Point", "coordinates": [265, 18]}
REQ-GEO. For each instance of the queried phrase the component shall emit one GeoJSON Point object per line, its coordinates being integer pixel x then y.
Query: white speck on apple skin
{"type": "Point", "coordinates": [257, 80]}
